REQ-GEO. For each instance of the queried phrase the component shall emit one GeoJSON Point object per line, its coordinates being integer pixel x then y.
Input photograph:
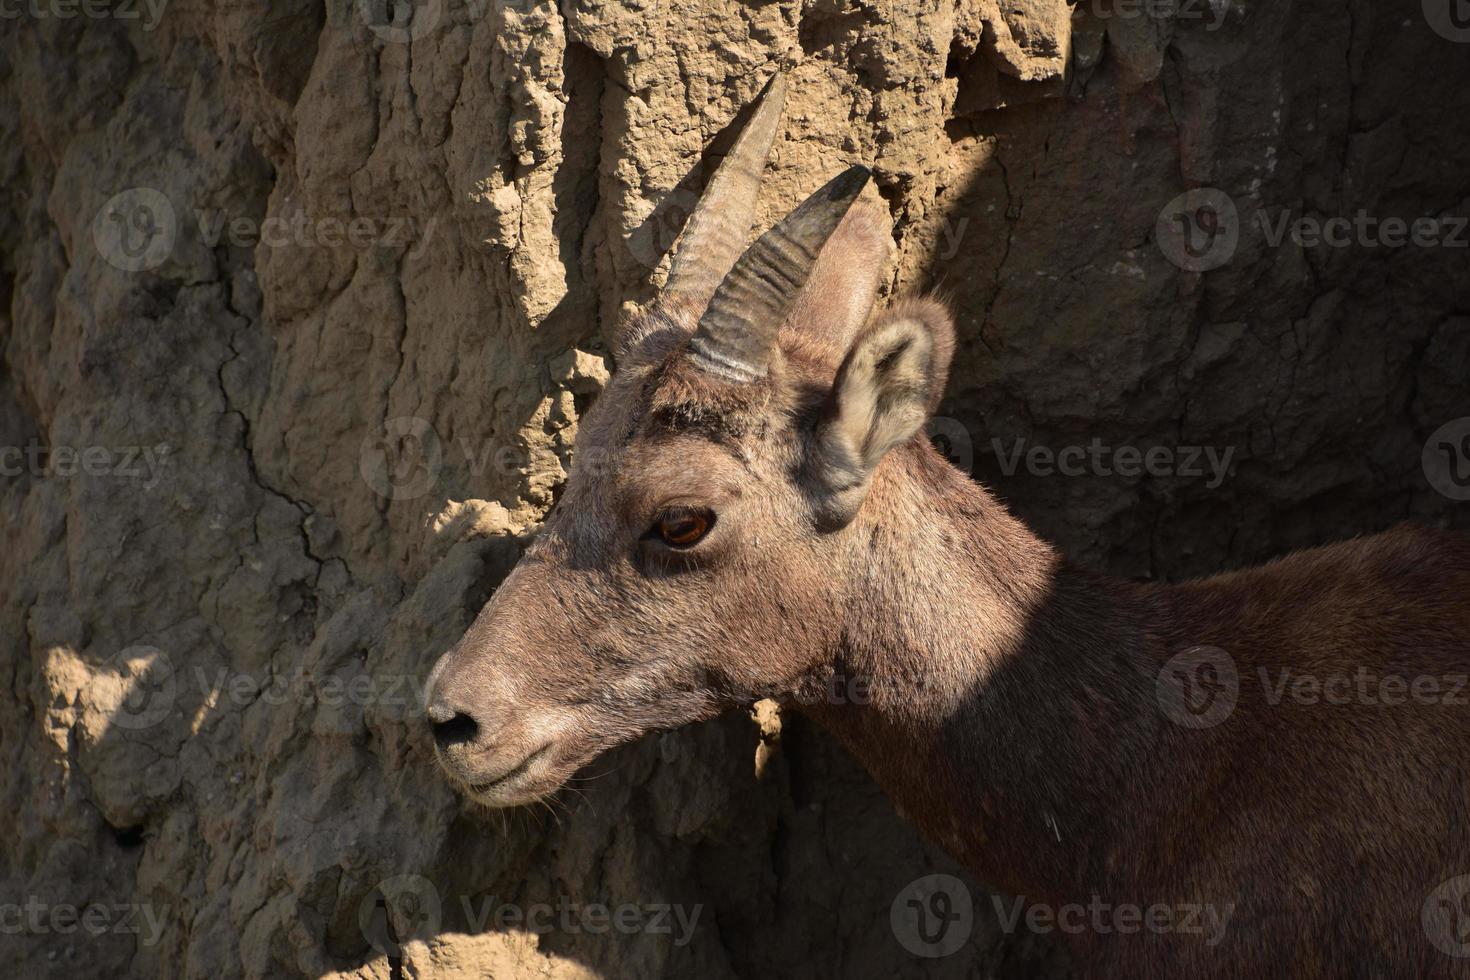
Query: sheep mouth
{"type": "Point", "coordinates": [508, 777]}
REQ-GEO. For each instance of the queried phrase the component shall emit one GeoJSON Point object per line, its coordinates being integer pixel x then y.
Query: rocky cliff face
{"type": "Point", "coordinates": [302, 306]}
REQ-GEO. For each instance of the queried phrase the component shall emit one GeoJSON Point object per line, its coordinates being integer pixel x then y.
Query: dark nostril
{"type": "Point", "coordinates": [459, 728]}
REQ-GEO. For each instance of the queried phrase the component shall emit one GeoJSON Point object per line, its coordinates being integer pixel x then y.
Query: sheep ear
{"type": "Point", "coordinates": [889, 382]}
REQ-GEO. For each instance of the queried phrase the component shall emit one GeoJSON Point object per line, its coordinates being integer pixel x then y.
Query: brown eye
{"type": "Point", "coordinates": [683, 529]}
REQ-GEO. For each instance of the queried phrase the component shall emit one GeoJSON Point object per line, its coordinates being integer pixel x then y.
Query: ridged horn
{"type": "Point", "coordinates": [738, 328]}
{"type": "Point", "coordinates": [717, 229]}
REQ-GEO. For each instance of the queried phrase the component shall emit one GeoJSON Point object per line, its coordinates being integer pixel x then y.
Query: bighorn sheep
{"type": "Point", "coordinates": [754, 510]}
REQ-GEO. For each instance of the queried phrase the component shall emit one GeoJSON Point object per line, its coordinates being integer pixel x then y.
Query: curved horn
{"type": "Point", "coordinates": [738, 328]}
{"type": "Point", "coordinates": [717, 229]}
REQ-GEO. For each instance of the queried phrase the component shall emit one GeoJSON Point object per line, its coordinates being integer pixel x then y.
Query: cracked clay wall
{"type": "Point", "coordinates": [301, 305]}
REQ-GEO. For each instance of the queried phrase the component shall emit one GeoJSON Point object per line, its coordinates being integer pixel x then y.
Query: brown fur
{"type": "Point", "coordinates": [1014, 711]}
